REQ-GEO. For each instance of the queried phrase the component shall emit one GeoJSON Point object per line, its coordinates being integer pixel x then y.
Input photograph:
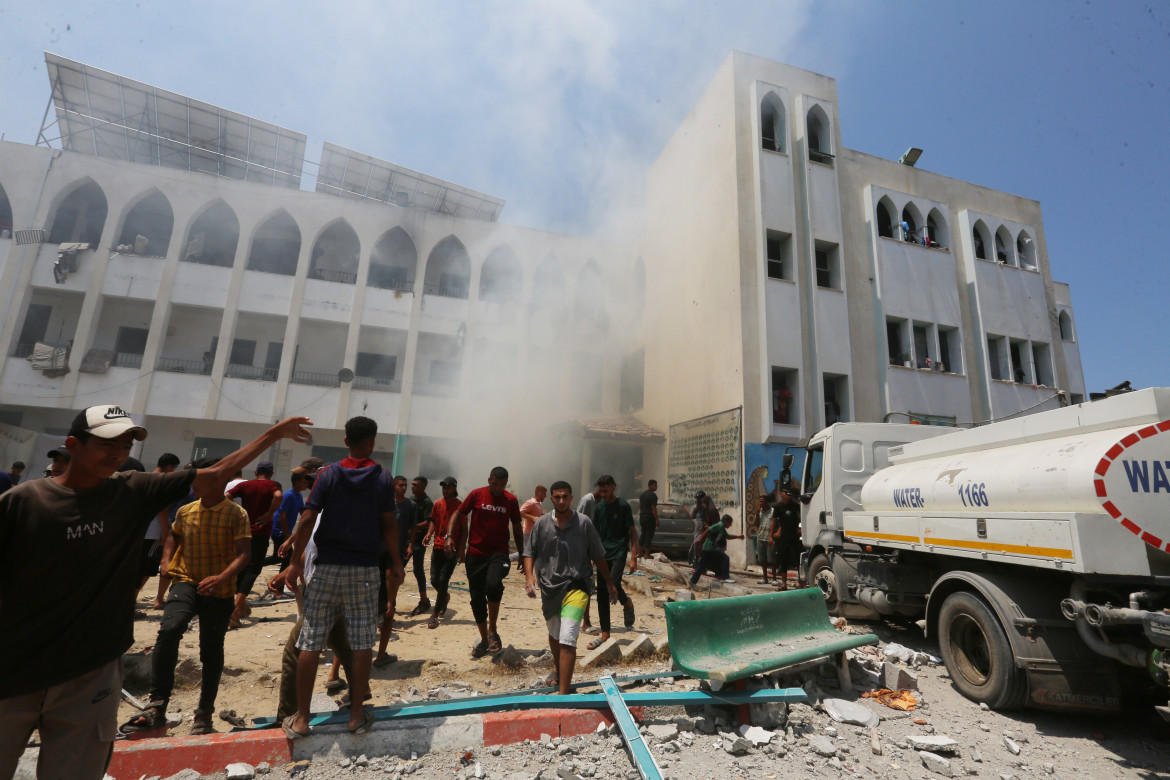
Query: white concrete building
{"type": "Point", "coordinates": [780, 277]}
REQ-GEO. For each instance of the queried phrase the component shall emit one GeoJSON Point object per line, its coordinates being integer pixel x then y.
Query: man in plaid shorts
{"type": "Point", "coordinates": [356, 497]}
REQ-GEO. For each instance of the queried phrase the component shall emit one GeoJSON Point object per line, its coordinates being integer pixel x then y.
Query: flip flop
{"type": "Point", "coordinates": [150, 719]}
{"type": "Point", "coordinates": [591, 630]}
{"type": "Point", "coordinates": [365, 724]}
{"type": "Point", "coordinates": [494, 644]}
{"type": "Point", "coordinates": [385, 660]}
{"type": "Point", "coordinates": [290, 732]}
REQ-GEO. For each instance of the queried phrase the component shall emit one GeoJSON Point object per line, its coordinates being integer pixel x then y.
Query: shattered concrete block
{"type": "Point", "coordinates": [899, 679]}
{"type": "Point", "coordinates": [663, 732]}
{"type": "Point", "coordinates": [936, 763]}
{"type": "Point", "coordinates": [756, 735]}
{"type": "Point", "coordinates": [659, 602]}
{"type": "Point", "coordinates": [1011, 745]}
{"type": "Point", "coordinates": [641, 645]}
{"type": "Point", "coordinates": [936, 743]}
{"type": "Point", "coordinates": [682, 594]}
{"type": "Point", "coordinates": [609, 650]}
{"type": "Point", "coordinates": [509, 657]}
{"type": "Point", "coordinates": [737, 746]}
{"type": "Point", "coordinates": [850, 712]}
{"type": "Point", "coordinates": [822, 746]}
{"type": "Point", "coordinates": [240, 771]}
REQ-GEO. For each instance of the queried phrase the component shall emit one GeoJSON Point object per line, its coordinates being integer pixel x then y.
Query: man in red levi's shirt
{"type": "Point", "coordinates": [490, 510]}
{"type": "Point", "coordinates": [260, 498]}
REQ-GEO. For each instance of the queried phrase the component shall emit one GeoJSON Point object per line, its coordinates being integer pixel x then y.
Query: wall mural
{"type": "Point", "coordinates": [706, 454]}
{"type": "Point", "coordinates": [762, 466]}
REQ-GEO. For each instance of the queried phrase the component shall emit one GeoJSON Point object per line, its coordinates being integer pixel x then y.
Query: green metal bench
{"type": "Point", "coordinates": [731, 638]}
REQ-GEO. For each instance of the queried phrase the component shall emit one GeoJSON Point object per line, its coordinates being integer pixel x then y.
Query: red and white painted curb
{"type": "Point", "coordinates": [207, 754]}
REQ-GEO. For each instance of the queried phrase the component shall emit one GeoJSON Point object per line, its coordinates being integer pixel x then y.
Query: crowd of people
{"type": "Point", "coordinates": [343, 534]}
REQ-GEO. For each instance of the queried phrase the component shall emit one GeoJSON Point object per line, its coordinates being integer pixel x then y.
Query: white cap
{"type": "Point", "coordinates": [106, 422]}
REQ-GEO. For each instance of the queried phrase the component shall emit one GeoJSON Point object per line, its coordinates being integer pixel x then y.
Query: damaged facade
{"type": "Point", "coordinates": [189, 278]}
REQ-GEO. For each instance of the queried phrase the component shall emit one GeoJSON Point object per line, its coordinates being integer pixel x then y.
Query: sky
{"type": "Point", "coordinates": [560, 107]}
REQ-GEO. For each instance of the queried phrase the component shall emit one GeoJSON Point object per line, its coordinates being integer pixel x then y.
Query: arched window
{"type": "Point", "coordinates": [448, 271]}
{"type": "Point", "coordinates": [1003, 246]}
{"type": "Point", "coordinates": [213, 237]}
{"type": "Point", "coordinates": [501, 277]}
{"type": "Point", "coordinates": [818, 135]}
{"type": "Point", "coordinates": [1066, 327]}
{"type": "Point", "coordinates": [936, 229]}
{"type": "Point", "coordinates": [80, 217]}
{"type": "Point", "coordinates": [548, 283]}
{"type": "Point", "coordinates": [276, 247]}
{"type": "Point", "coordinates": [772, 131]}
{"type": "Point", "coordinates": [1026, 249]}
{"type": "Point", "coordinates": [335, 254]}
{"type": "Point", "coordinates": [393, 262]}
{"type": "Point", "coordinates": [147, 228]}
{"type": "Point", "coordinates": [885, 218]}
{"type": "Point", "coordinates": [982, 240]}
{"type": "Point", "coordinates": [911, 224]}
{"type": "Point", "coordinates": [5, 214]}
{"type": "Point", "coordinates": [589, 300]}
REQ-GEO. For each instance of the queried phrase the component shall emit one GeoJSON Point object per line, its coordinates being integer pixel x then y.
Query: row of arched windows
{"type": "Point", "coordinates": [774, 135]}
{"type": "Point", "coordinates": [1019, 250]}
{"type": "Point", "coordinates": [910, 226]}
{"type": "Point", "coordinates": [213, 237]}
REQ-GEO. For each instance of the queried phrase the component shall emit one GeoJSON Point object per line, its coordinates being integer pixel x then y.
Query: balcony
{"type": "Point", "coordinates": [180, 366]}
{"type": "Point", "coordinates": [377, 383]}
{"type": "Point", "coordinates": [325, 275]}
{"type": "Point", "coordinates": [127, 360]}
{"type": "Point", "coordinates": [315, 378]}
{"type": "Point", "coordinates": [77, 281]}
{"type": "Point", "coordinates": [236, 371]}
{"type": "Point", "coordinates": [327, 300]}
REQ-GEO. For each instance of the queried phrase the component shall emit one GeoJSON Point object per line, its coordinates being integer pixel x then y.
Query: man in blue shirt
{"type": "Point", "coordinates": [292, 503]}
{"type": "Point", "coordinates": [388, 594]}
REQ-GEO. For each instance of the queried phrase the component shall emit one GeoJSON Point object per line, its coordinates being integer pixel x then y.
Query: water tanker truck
{"type": "Point", "coordinates": [1036, 549]}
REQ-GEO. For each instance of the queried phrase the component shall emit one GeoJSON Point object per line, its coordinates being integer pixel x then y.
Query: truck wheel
{"type": "Point", "coordinates": [820, 575]}
{"type": "Point", "coordinates": [977, 653]}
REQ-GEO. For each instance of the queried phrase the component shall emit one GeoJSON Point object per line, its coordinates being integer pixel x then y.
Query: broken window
{"type": "Point", "coordinates": [995, 358]}
{"type": "Point", "coordinates": [448, 271]}
{"type": "Point", "coordinates": [937, 234]}
{"type": "Point", "coordinates": [1019, 356]}
{"type": "Point", "coordinates": [772, 132]}
{"type": "Point", "coordinates": [1066, 329]}
{"type": "Point", "coordinates": [335, 255]}
{"type": "Point", "coordinates": [276, 246]}
{"type": "Point", "coordinates": [500, 278]}
{"type": "Point", "coordinates": [1026, 250]}
{"type": "Point", "coordinates": [784, 396]}
{"type": "Point", "coordinates": [922, 347]}
{"type": "Point", "coordinates": [820, 146]}
{"type": "Point", "coordinates": [1003, 244]}
{"type": "Point", "coordinates": [147, 229]}
{"type": "Point", "coordinates": [949, 351]}
{"type": "Point", "coordinates": [1042, 363]}
{"type": "Point", "coordinates": [885, 218]}
{"type": "Point", "coordinates": [213, 237]}
{"type": "Point", "coordinates": [393, 262]}
{"type": "Point", "coordinates": [5, 215]}
{"type": "Point", "coordinates": [980, 238]}
{"type": "Point", "coordinates": [896, 344]}
{"type": "Point", "coordinates": [836, 393]}
{"type": "Point", "coordinates": [911, 224]}
{"type": "Point", "coordinates": [80, 217]}
{"type": "Point", "coordinates": [779, 248]}
{"type": "Point", "coordinates": [828, 265]}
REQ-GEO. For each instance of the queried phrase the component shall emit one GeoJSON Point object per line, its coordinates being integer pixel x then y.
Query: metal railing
{"type": "Point", "coordinates": [446, 291]}
{"type": "Point", "coordinates": [315, 378]}
{"type": "Point", "coordinates": [179, 366]}
{"type": "Point", "coordinates": [127, 360]}
{"type": "Point", "coordinates": [342, 277]}
{"type": "Point", "coordinates": [237, 371]}
{"type": "Point", "coordinates": [377, 383]}
{"type": "Point", "coordinates": [380, 278]}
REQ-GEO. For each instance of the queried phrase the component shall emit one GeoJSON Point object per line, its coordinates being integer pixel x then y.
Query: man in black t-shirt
{"type": "Point", "coordinates": [70, 551]}
{"type": "Point", "coordinates": [787, 534]}
{"type": "Point", "coordinates": [647, 517]}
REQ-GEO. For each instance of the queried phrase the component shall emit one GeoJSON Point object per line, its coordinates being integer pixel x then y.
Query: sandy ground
{"type": "Point", "coordinates": [427, 658]}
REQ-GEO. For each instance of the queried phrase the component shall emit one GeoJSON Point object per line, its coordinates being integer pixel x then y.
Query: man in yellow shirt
{"type": "Point", "coordinates": [209, 544]}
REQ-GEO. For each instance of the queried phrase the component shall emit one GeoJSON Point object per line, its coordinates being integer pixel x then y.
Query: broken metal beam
{"type": "Point", "coordinates": [640, 752]}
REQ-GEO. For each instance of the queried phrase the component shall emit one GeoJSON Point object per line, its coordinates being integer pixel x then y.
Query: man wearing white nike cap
{"type": "Point", "coordinates": [69, 557]}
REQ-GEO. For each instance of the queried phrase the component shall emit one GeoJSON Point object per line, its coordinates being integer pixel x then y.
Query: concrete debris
{"type": "Point", "coordinates": [663, 732]}
{"type": "Point", "coordinates": [661, 644]}
{"type": "Point", "coordinates": [240, 771]}
{"type": "Point", "coordinates": [509, 657]}
{"type": "Point", "coordinates": [185, 774]}
{"type": "Point", "coordinates": [682, 594]}
{"type": "Point", "coordinates": [756, 735]}
{"type": "Point", "coordinates": [975, 756]}
{"type": "Point", "coordinates": [899, 679]}
{"type": "Point", "coordinates": [822, 746]}
{"type": "Point", "coordinates": [937, 743]}
{"type": "Point", "coordinates": [642, 644]}
{"type": "Point", "coordinates": [736, 746]}
{"type": "Point", "coordinates": [875, 744]}
{"type": "Point", "coordinates": [936, 763]}
{"type": "Point", "coordinates": [850, 712]}
{"type": "Point", "coordinates": [610, 650]}
{"type": "Point", "coordinates": [1011, 745]}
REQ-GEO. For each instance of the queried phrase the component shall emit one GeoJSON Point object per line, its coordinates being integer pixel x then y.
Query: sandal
{"type": "Point", "coordinates": [596, 643]}
{"type": "Point", "coordinates": [345, 699]}
{"type": "Point", "coordinates": [422, 608]}
{"type": "Point", "coordinates": [494, 644]}
{"type": "Point", "coordinates": [433, 622]}
{"type": "Point", "coordinates": [290, 732]}
{"type": "Point", "coordinates": [480, 650]}
{"type": "Point", "coordinates": [202, 724]}
{"type": "Point", "coordinates": [152, 718]}
{"type": "Point", "coordinates": [332, 686]}
{"type": "Point", "coordinates": [364, 726]}
{"type": "Point", "coordinates": [628, 613]}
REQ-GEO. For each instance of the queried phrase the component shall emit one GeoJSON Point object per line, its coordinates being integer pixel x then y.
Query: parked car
{"type": "Point", "coordinates": [675, 530]}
